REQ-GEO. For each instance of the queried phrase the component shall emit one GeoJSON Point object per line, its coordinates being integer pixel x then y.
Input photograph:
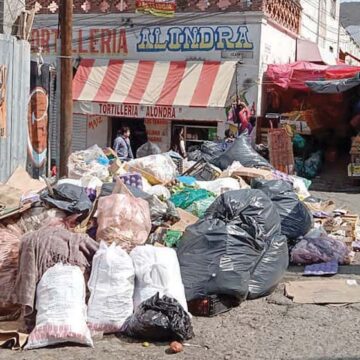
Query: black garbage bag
{"type": "Point", "coordinates": [208, 151]}
{"type": "Point", "coordinates": [219, 254]}
{"type": "Point", "coordinates": [68, 197]}
{"type": "Point", "coordinates": [242, 151]}
{"type": "Point", "coordinates": [296, 218]}
{"type": "Point", "coordinates": [270, 269]}
{"type": "Point", "coordinates": [159, 319]}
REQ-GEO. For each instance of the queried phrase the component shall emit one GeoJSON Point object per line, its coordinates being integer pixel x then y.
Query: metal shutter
{"type": "Point", "coordinates": [79, 132]}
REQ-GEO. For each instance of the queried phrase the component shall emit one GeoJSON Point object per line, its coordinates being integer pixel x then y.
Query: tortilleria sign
{"type": "Point", "coordinates": [138, 111]}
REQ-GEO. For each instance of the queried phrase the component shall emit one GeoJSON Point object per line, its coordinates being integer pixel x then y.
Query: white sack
{"type": "Point", "coordinates": [112, 288]}
{"type": "Point", "coordinates": [157, 270]}
{"type": "Point", "coordinates": [61, 308]}
{"type": "Point", "coordinates": [219, 186]}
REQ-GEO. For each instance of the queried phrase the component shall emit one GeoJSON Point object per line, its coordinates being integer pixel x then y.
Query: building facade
{"type": "Point", "coordinates": [251, 34]}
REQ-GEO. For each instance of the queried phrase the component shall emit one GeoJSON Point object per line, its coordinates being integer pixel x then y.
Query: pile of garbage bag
{"type": "Point", "coordinates": [136, 247]}
{"type": "Point", "coordinates": [296, 219]}
{"type": "Point", "coordinates": [233, 248]}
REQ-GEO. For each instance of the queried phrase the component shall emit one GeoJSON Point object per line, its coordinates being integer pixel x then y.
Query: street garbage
{"type": "Point", "coordinates": [136, 247]}
{"type": "Point", "coordinates": [68, 197]}
{"type": "Point", "coordinates": [157, 271]}
{"type": "Point", "coordinates": [9, 262]}
{"type": "Point", "coordinates": [317, 247]}
{"type": "Point", "coordinates": [147, 149]}
{"type": "Point", "coordinates": [92, 161]}
{"type": "Point", "coordinates": [157, 169]}
{"type": "Point", "coordinates": [242, 151]}
{"type": "Point", "coordinates": [296, 219]}
{"type": "Point", "coordinates": [111, 286]}
{"type": "Point", "coordinates": [123, 219]}
{"type": "Point", "coordinates": [220, 254]}
{"type": "Point", "coordinates": [61, 308]}
{"type": "Point", "coordinates": [159, 319]}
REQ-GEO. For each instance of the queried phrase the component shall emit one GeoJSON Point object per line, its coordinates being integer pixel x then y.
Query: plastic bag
{"type": "Point", "coordinates": [147, 149]}
{"type": "Point", "coordinates": [91, 161]}
{"type": "Point", "coordinates": [317, 247]}
{"type": "Point", "coordinates": [198, 208]}
{"type": "Point", "coordinates": [219, 255]}
{"type": "Point", "coordinates": [183, 199]}
{"type": "Point", "coordinates": [310, 167]}
{"type": "Point", "coordinates": [219, 186]}
{"type": "Point", "coordinates": [296, 219]}
{"type": "Point", "coordinates": [68, 197]}
{"type": "Point", "coordinates": [123, 219]}
{"type": "Point", "coordinates": [160, 191]}
{"type": "Point", "coordinates": [157, 271]}
{"type": "Point", "coordinates": [241, 151]}
{"type": "Point", "coordinates": [156, 169]}
{"type": "Point", "coordinates": [270, 269]}
{"type": "Point", "coordinates": [61, 309]}
{"type": "Point", "coordinates": [112, 288]}
{"type": "Point", "coordinates": [159, 319]}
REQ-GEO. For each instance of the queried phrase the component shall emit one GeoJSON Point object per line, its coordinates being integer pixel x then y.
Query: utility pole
{"type": "Point", "coordinates": [66, 102]}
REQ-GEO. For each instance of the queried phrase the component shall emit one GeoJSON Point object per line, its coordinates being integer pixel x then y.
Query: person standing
{"type": "Point", "coordinates": [122, 144]}
{"type": "Point", "coordinates": [178, 142]}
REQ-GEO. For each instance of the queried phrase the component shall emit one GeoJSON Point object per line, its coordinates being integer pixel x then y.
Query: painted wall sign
{"type": "Point", "coordinates": [201, 38]}
{"type": "Point", "coordinates": [130, 110]}
{"type": "Point", "coordinates": [158, 131]}
{"type": "Point", "coordinates": [38, 119]}
{"type": "Point", "coordinates": [147, 43]}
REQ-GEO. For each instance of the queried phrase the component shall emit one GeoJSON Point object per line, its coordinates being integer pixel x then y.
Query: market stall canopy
{"type": "Point", "coordinates": [187, 90]}
{"type": "Point", "coordinates": [295, 75]}
{"type": "Point", "coordinates": [334, 86]}
{"type": "Point", "coordinates": [309, 51]}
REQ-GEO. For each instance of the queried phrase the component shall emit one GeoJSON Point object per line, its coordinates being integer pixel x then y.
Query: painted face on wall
{"type": "Point", "coordinates": [38, 125]}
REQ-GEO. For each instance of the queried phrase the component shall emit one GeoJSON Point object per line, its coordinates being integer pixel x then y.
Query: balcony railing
{"type": "Point", "coordinates": [285, 12]}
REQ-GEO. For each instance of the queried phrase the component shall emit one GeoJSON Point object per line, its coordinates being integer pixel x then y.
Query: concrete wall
{"type": "Point", "coordinates": [15, 54]}
{"type": "Point", "coordinates": [320, 23]}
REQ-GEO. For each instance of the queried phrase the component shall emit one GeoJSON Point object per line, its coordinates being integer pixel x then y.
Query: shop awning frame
{"type": "Point", "coordinates": [184, 90]}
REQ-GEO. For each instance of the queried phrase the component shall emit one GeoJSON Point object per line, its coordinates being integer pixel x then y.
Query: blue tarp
{"type": "Point", "coordinates": [334, 86]}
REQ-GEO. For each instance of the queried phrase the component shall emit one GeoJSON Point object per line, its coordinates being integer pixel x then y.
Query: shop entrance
{"type": "Point", "coordinates": [137, 127]}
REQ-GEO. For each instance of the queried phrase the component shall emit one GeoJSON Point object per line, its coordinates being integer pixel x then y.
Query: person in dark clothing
{"type": "Point", "coordinates": [122, 145]}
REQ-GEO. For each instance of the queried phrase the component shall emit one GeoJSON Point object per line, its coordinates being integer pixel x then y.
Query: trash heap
{"type": "Point", "coordinates": [139, 247]}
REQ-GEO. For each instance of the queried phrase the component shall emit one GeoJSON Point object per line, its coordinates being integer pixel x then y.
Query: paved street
{"type": "Point", "coordinates": [271, 328]}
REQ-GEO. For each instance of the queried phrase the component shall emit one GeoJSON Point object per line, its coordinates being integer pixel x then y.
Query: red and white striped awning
{"type": "Point", "coordinates": [186, 90]}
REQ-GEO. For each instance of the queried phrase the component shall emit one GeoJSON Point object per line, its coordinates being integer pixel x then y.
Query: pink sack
{"type": "Point", "coordinates": [123, 219]}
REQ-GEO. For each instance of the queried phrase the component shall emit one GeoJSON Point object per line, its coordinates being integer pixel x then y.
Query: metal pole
{"type": "Point", "coordinates": [66, 103]}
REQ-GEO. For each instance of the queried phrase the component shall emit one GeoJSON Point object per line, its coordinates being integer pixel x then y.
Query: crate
{"type": "Point", "coordinates": [349, 223]}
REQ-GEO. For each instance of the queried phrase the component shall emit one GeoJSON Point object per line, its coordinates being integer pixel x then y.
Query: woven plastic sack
{"type": "Point", "coordinates": [147, 149]}
{"type": "Point", "coordinates": [157, 169]}
{"type": "Point", "coordinates": [157, 271]}
{"type": "Point", "coordinates": [123, 219]}
{"type": "Point", "coordinates": [61, 308]}
{"type": "Point", "coordinates": [112, 288]}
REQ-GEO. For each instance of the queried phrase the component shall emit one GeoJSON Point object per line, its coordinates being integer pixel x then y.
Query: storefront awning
{"type": "Point", "coordinates": [309, 51]}
{"type": "Point", "coordinates": [186, 90]}
{"type": "Point", "coordinates": [295, 76]}
{"type": "Point", "coordinates": [334, 86]}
